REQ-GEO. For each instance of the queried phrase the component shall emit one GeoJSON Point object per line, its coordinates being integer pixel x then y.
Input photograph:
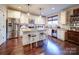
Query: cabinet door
{"type": "Point", "coordinates": [61, 34]}
{"type": "Point", "coordinates": [39, 20]}
{"type": "Point", "coordinates": [24, 19]}
{"type": "Point", "coordinates": [13, 14]}
{"type": "Point", "coordinates": [2, 28]}
{"type": "Point", "coordinates": [63, 17]}
{"type": "Point", "coordinates": [25, 39]}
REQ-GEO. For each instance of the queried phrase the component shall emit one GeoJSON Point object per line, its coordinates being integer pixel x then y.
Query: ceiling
{"type": "Point", "coordinates": [47, 9]}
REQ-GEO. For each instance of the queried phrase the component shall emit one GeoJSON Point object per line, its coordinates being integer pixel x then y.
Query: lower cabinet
{"type": "Point", "coordinates": [61, 34]}
{"type": "Point", "coordinates": [32, 41]}
{"type": "Point", "coordinates": [32, 37]}
{"type": "Point", "coordinates": [37, 44]}
{"type": "Point", "coordinates": [72, 36]}
{"type": "Point", "coordinates": [71, 44]}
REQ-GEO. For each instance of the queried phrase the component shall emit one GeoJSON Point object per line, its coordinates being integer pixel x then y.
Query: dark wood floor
{"type": "Point", "coordinates": [12, 46]}
{"type": "Point", "coordinates": [68, 48]}
{"type": "Point", "coordinates": [51, 46]}
{"type": "Point", "coordinates": [15, 47]}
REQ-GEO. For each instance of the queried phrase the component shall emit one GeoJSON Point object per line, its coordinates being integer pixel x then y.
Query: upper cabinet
{"type": "Point", "coordinates": [24, 19]}
{"type": "Point", "coordinates": [63, 17]}
{"type": "Point", "coordinates": [14, 14]}
{"type": "Point", "coordinates": [40, 20]}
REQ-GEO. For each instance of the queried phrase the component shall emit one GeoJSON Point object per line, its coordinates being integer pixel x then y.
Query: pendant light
{"type": "Point", "coordinates": [40, 13]}
{"type": "Point", "coordinates": [28, 14]}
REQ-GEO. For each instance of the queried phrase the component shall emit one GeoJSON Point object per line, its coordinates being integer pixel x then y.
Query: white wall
{"type": "Point", "coordinates": [2, 24]}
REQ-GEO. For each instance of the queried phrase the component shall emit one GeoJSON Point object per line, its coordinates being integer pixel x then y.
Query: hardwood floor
{"type": "Point", "coordinates": [13, 46]}
{"type": "Point", "coordinates": [50, 46]}
{"type": "Point", "coordinates": [68, 47]}
{"type": "Point", "coordinates": [34, 51]}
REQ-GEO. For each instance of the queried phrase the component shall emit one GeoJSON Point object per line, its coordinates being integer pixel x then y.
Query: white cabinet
{"type": "Point", "coordinates": [25, 39]}
{"type": "Point", "coordinates": [24, 18]}
{"type": "Point", "coordinates": [39, 20]}
{"type": "Point", "coordinates": [34, 38]}
{"type": "Point", "coordinates": [61, 34]}
{"type": "Point", "coordinates": [63, 17]}
{"type": "Point", "coordinates": [2, 24]}
{"type": "Point", "coordinates": [14, 14]}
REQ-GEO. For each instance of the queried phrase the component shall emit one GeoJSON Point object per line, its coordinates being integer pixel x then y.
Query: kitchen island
{"type": "Point", "coordinates": [33, 36]}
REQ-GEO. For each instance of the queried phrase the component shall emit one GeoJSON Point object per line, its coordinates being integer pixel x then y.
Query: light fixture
{"type": "Point", "coordinates": [28, 10]}
{"type": "Point", "coordinates": [40, 13]}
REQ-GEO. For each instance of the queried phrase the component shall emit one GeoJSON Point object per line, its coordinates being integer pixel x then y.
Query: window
{"type": "Point", "coordinates": [53, 21]}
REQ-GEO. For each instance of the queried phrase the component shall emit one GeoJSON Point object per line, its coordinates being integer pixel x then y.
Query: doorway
{"type": "Point", "coordinates": [12, 28]}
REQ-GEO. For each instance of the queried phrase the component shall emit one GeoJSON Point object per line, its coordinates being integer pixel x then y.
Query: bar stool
{"type": "Point", "coordinates": [33, 39]}
{"type": "Point", "coordinates": [29, 36]}
{"type": "Point", "coordinates": [41, 37]}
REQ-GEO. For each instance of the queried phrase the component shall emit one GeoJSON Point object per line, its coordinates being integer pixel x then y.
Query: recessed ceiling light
{"type": "Point", "coordinates": [53, 8]}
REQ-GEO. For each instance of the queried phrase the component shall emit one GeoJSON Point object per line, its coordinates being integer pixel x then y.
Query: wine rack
{"type": "Point", "coordinates": [74, 22]}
